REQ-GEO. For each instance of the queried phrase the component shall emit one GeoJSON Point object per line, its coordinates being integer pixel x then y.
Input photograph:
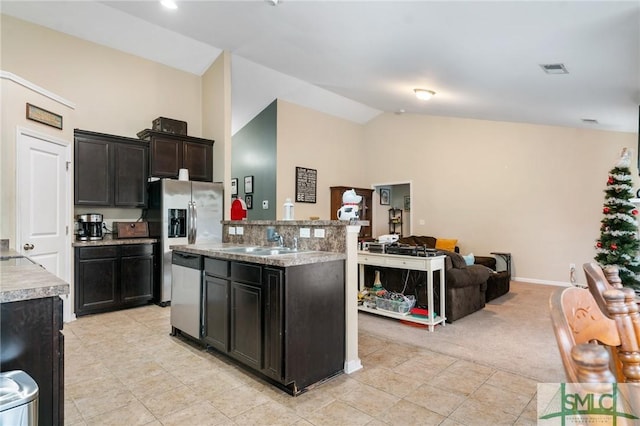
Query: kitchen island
{"type": "Point", "coordinates": [279, 315]}
{"type": "Point", "coordinates": [30, 330]}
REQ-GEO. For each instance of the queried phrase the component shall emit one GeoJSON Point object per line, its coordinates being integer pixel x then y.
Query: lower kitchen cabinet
{"type": "Point", "coordinates": [31, 340]}
{"type": "Point", "coordinates": [108, 278]}
{"type": "Point", "coordinates": [286, 324]}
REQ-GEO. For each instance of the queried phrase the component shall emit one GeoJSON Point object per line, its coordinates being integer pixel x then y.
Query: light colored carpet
{"type": "Point", "coordinates": [512, 333]}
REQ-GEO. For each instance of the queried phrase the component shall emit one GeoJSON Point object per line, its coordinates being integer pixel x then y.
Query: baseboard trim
{"type": "Point", "coordinates": [544, 282]}
{"type": "Point", "coordinates": [352, 366]}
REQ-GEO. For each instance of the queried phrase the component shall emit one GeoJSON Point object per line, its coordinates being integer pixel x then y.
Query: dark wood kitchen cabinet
{"type": "Point", "coordinates": [168, 153]}
{"type": "Point", "coordinates": [217, 284]}
{"type": "Point", "coordinates": [31, 340]}
{"type": "Point", "coordinates": [110, 171]}
{"type": "Point", "coordinates": [366, 211]}
{"type": "Point", "coordinates": [286, 324]}
{"type": "Point", "coordinates": [108, 278]}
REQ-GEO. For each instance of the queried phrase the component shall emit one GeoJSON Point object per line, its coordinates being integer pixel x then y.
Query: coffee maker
{"type": "Point", "coordinates": [89, 227]}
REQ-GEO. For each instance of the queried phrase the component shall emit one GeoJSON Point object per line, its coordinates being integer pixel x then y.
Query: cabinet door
{"type": "Point", "coordinates": [92, 172]}
{"type": "Point", "coordinates": [165, 158]}
{"type": "Point", "coordinates": [246, 324]}
{"type": "Point", "coordinates": [216, 312]}
{"type": "Point", "coordinates": [96, 285]}
{"type": "Point", "coordinates": [136, 279]}
{"type": "Point", "coordinates": [198, 158]}
{"type": "Point", "coordinates": [31, 341]}
{"type": "Point", "coordinates": [130, 175]}
{"type": "Point", "coordinates": [273, 323]}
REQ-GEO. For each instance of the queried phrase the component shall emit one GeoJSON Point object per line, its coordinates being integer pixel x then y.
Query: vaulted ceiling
{"type": "Point", "coordinates": [481, 58]}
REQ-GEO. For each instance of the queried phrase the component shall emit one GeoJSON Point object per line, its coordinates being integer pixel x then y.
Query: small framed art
{"type": "Point", "coordinates": [385, 196]}
{"type": "Point", "coordinates": [248, 184]}
{"type": "Point", "coordinates": [248, 200]}
{"type": "Point", "coordinates": [234, 186]}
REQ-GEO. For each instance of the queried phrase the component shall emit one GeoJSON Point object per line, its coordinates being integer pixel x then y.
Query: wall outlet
{"type": "Point", "coordinates": [265, 204]}
{"type": "Point", "coordinates": [239, 230]}
{"type": "Point", "coordinates": [318, 233]}
{"type": "Point", "coordinates": [572, 267]}
{"type": "Point", "coordinates": [232, 230]}
{"type": "Point", "coordinates": [305, 233]}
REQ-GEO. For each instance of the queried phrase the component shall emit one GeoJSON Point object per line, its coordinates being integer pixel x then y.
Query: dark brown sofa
{"type": "Point", "coordinates": [468, 287]}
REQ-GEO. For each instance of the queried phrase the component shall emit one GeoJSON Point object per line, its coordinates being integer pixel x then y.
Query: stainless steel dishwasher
{"type": "Point", "coordinates": [186, 293]}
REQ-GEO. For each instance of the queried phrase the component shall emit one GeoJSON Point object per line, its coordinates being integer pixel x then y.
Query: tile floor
{"type": "Point", "coordinates": [124, 368]}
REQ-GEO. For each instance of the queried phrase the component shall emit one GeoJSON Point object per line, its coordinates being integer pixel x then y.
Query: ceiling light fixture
{"type": "Point", "coordinates": [424, 94]}
{"type": "Point", "coordinates": [169, 4]}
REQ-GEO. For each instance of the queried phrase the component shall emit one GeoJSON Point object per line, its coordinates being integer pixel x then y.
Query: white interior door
{"type": "Point", "coordinates": [42, 197]}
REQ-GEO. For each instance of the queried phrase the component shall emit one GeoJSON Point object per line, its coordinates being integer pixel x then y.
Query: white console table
{"type": "Point", "coordinates": [427, 264]}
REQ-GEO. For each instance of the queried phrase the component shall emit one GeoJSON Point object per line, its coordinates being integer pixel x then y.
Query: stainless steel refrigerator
{"type": "Point", "coordinates": [182, 212]}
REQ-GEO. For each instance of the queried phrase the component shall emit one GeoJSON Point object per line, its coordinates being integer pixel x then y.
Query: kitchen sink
{"type": "Point", "coordinates": [262, 251]}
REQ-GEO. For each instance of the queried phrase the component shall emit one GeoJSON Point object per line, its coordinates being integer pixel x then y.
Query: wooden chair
{"type": "Point", "coordinates": [577, 320]}
{"type": "Point", "coordinates": [619, 305]}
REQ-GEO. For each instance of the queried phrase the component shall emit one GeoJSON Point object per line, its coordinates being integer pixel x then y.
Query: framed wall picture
{"type": "Point", "coordinates": [407, 203]}
{"type": "Point", "coordinates": [248, 184]}
{"type": "Point", "coordinates": [234, 186]}
{"type": "Point", "coordinates": [43, 116]}
{"type": "Point", "coordinates": [385, 196]}
{"type": "Point", "coordinates": [248, 200]}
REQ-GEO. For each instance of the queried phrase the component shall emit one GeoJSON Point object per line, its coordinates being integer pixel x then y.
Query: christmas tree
{"type": "Point", "coordinates": [618, 244]}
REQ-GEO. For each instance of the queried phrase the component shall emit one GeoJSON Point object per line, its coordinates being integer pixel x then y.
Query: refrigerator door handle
{"type": "Point", "coordinates": [190, 239]}
{"type": "Point", "coordinates": [194, 221]}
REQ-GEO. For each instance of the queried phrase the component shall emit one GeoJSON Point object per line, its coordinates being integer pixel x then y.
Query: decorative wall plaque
{"type": "Point", "coordinates": [43, 116]}
{"type": "Point", "coordinates": [306, 185]}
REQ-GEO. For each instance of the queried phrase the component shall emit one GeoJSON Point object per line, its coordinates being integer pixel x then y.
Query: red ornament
{"type": "Point", "coordinates": [605, 210]}
{"type": "Point", "coordinates": [610, 180]}
{"type": "Point", "coordinates": [614, 247]}
{"type": "Point", "coordinates": [634, 212]}
{"type": "Point", "coordinates": [599, 244]}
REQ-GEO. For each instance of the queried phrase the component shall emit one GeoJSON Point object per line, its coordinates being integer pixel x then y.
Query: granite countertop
{"type": "Point", "coordinates": [23, 281]}
{"type": "Point", "coordinates": [283, 260]}
{"type": "Point", "coordinates": [109, 241]}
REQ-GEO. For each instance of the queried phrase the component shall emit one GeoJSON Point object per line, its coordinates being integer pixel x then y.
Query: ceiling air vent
{"type": "Point", "coordinates": [589, 121]}
{"type": "Point", "coordinates": [554, 68]}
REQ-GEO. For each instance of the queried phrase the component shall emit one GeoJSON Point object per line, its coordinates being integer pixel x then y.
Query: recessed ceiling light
{"type": "Point", "coordinates": [169, 4]}
{"type": "Point", "coordinates": [424, 94]}
{"type": "Point", "coordinates": [554, 68]}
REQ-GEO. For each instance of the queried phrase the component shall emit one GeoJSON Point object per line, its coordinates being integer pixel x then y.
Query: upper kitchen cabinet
{"type": "Point", "coordinates": [110, 171]}
{"type": "Point", "coordinates": [168, 153]}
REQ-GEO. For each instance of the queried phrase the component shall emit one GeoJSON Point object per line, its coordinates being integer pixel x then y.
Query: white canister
{"type": "Point", "coordinates": [288, 209]}
{"type": "Point", "coordinates": [183, 174]}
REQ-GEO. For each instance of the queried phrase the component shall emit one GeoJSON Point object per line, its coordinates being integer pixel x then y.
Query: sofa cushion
{"type": "Point", "coordinates": [415, 240]}
{"type": "Point", "coordinates": [469, 259]}
{"type": "Point", "coordinates": [453, 260]}
{"type": "Point", "coordinates": [447, 244]}
{"type": "Point", "coordinates": [473, 275]}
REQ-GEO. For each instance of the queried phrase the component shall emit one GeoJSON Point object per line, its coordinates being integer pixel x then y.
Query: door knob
{"type": "Point", "coordinates": [28, 246]}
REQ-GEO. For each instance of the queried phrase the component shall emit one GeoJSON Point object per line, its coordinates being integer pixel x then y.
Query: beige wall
{"type": "Point", "coordinates": [534, 191]}
{"type": "Point", "coordinates": [113, 92]}
{"type": "Point", "coordinates": [314, 140]}
{"type": "Point", "coordinates": [216, 119]}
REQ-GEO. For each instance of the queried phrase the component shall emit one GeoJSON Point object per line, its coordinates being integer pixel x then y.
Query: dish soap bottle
{"type": "Point", "coordinates": [288, 209]}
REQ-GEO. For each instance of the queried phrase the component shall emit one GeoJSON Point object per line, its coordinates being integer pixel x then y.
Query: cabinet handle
{"type": "Point", "coordinates": [28, 246]}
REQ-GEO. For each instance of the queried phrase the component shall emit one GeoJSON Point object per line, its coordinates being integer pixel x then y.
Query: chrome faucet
{"type": "Point", "coordinates": [295, 243]}
{"type": "Point", "coordinates": [274, 236]}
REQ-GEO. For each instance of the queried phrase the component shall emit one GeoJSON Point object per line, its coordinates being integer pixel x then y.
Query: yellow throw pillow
{"type": "Point", "coordinates": [444, 244]}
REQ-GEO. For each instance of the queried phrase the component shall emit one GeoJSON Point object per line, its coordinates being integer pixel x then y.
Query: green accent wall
{"type": "Point", "coordinates": [253, 153]}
